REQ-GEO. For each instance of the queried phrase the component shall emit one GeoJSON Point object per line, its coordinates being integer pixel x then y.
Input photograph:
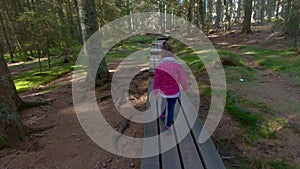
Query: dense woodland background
{"type": "Point", "coordinates": [52, 32]}
{"type": "Point", "coordinates": [31, 28]}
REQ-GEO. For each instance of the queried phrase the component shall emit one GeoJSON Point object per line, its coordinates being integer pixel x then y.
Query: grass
{"type": "Point", "coordinates": [277, 60]}
{"type": "Point", "coordinates": [255, 163]}
{"type": "Point", "coordinates": [234, 73]}
{"type": "Point", "coordinates": [16, 57]}
{"type": "Point", "coordinates": [256, 124]}
{"type": "Point", "coordinates": [226, 53]}
{"type": "Point", "coordinates": [34, 78]}
{"type": "Point", "coordinates": [128, 46]}
{"type": "Point", "coordinates": [187, 55]}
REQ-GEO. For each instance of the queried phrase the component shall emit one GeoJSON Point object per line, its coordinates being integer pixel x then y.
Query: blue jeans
{"type": "Point", "coordinates": [171, 106]}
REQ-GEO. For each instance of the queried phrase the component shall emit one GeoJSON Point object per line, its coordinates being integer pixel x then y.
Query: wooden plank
{"type": "Point", "coordinates": [164, 37]}
{"type": "Point", "coordinates": [170, 158]}
{"type": "Point", "coordinates": [150, 129]}
{"type": "Point", "coordinates": [209, 154]}
{"type": "Point", "coordinates": [188, 150]}
{"type": "Point", "coordinates": [160, 42]}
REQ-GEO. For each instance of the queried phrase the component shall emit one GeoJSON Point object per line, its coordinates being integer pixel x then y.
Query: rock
{"type": "Point", "coordinates": [132, 165]}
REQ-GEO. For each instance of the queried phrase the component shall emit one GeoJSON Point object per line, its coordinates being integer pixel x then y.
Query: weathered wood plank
{"type": "Point", "coordinates": [209, 154]}
{"type": "Point", "coordinates": [188, 150]}
{"type": "Point", "coordinates": [149, 131]}
{"type": "Point", "coordinates": [170, 158]}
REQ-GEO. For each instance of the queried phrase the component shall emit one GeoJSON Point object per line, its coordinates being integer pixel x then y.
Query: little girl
{"type": "Point", "coordinates": [167, 77]}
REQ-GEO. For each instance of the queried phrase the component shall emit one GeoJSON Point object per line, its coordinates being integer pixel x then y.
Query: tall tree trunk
{"type": "Point", "coordinates": [1, 48]}
{"type": "Point", "coordinates": [11, 130]}
{"type": "Point", "coordinates": [287, 14]}
{"type": "Point", "coordinates": [277, 9]}
{"type": "Point", "coordinates": [71, 22]}
{"type": "Point", "coordinates": [201, 13]}
{"type": "Point", "coordinates": [10, 50]}
{"type": "Point", "coordinates": [292, 28]}
{"type": "Point", "coordinates": [218, 11]}
{"type": "Point", "coordinates": [189, 14]}
{"type": "Point", "coordinates": [238, 11]}
{"type": "Point", "coordinates": [262, 10]}
{"type": "Point", "coordinates": [230, 14]}
{"type": "Point", "coordinates": [88, 19]}
{"type": "Point", "coordinates": [28, 5]}
{"type": "Point", "coordinates": [227, 19]}
{"type": "Point", "coordinates": [210, 10]}
{"type": "Point", "coordinates": [254, 8]}
{"type": "Point", "coordinates": [62, 21]}
{"type": "Point", "coordinates": [128, 12]}
{"type": "Point", "coordinates": [247, 17]}
{"type": "Point", "coordinates": [270, 8]}
{"type": "Point", "coordinates": [79, 30]}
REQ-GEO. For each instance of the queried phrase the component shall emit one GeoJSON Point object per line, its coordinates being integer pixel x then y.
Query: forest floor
{"type": "Point", "coordinates": [276, 91]}
{"type": "Point", "coordinates": [66, 145]}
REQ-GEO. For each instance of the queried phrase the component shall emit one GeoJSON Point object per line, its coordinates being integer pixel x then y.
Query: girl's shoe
{"type": "Point", "coordinates": [162, 117]}
{"type": "Point", "coordinates": [167, 128]}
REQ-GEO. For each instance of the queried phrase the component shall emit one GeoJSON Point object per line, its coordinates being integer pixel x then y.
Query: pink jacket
{"type": "Point", "coordinates": [168, 76]}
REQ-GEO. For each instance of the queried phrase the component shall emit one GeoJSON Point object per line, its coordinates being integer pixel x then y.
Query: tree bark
{"type": "Point", "coordinates": [262, 10]}
{"type": "Point", "coordinates": [238, 11]}
{"type": "Point", "coordinates": [218, 11]}
{"type": "Point", "coordinates": [89, 24]}
{"type": "Point", "coordinates": [293, 20]}
{"type": "Point", "coordinates": [10, 50]}
{"type": "Point", "coordinates": [62, 21]}
{"type": "Point", "coordinates": [270, 7]}
{"type": "Point", "coordinates": [11, 130]}
{"type": "Point", "coordinates": [247, 17]}
{"type": "Point", "coordinates": [201, 12]}
{"type": "Point", "coordinates": [277, 9]}
{"type": "Point", "coordinates": [79, 30]}
{"type": "Point", "coordinates": [71, 22]}
{"type": "Point", "coordinates": [210, 9]}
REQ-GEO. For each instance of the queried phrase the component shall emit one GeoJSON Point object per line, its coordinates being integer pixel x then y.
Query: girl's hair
{"type": "Point", "coordinates": [167, 51]}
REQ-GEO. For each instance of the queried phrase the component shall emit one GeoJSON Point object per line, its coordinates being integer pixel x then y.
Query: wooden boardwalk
{"type": "Point", "coordinates": [188, 153]}
{"type": "Point", "coordinates": [173, 150]}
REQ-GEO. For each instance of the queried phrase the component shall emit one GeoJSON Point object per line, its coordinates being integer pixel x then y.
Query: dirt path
{"type": "Point", "coordinates": [18, 67]}
{"type": "Point", "coordinates": [273, 89]}
{"type": "Point", "coordinates": [66, 145]}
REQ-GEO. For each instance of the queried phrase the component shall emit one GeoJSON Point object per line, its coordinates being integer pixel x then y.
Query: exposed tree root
{"type": "Point", "coordinates": [27, 104]}
{"type": "Point", "coordinates": [30, 130]}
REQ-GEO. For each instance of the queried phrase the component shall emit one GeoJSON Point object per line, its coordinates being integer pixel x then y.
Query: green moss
{"type": "Point", "coordinates": [226, 54]}
{"type": "Point", "coordinates": [248, 121]}
{"type": "Point", "coordinates": [278, 60]}
{"type": "Point", "coordinates": [205, 91]}
{"type": "Point", "coordinates": [234, 73]}
{"type": "Point", "coordinates": [34, 78]}
{"type": "Point", "coordinates": [255, 123]}
{"type": "Point", "coordinates": [257, 163]}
